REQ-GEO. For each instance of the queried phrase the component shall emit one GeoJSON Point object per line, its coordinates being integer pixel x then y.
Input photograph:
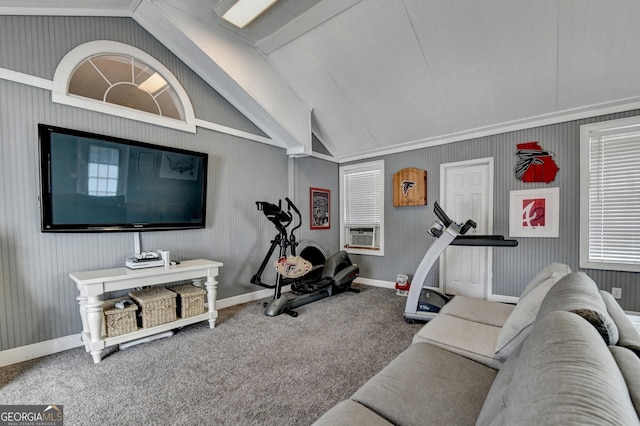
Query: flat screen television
{"type": "Point", "coordinates": [96, 183]}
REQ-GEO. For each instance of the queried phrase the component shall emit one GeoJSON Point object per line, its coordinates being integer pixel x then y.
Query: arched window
{"type": "Point", "coordinates": [119, 79]}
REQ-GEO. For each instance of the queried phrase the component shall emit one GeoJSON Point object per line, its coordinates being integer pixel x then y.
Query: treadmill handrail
{"type": "Point", "coordinates": [483, 240]}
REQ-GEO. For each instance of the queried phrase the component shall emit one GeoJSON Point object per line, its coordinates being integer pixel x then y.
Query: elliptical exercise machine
{"type": "Point", "coordinates": [321, 281]}
{"type": "Point", "coordinates": [424, 303]}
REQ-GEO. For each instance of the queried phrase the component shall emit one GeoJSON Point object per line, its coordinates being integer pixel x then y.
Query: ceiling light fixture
{"type": "Point", "coordinates": [245, 11]}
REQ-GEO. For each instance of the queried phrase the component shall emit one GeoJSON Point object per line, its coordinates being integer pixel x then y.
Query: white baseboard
{"type": "Point", "coordinates": [40, 349]}
{"type": "Point", "coordinates": [374, 283]}
{"type": "Point", "coordinates": [247, 297]}
{"type": "Point", "coordinates": [49, 347]}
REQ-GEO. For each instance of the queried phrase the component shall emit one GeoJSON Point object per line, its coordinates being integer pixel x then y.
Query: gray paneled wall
{"type": "Point", "coordinates": [406, 227]}
{"type": "Point", "coordinates": [37, 299]}
{"type": "Point", "coordinates": [312, 172]}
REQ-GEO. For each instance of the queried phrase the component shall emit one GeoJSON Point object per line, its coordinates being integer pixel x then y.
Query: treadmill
{"type": "Point", "coordinates": [423, 302]}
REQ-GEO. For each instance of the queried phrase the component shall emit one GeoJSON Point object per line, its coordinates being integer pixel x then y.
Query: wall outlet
{"type": "Point", "coordinates": [616, 292]}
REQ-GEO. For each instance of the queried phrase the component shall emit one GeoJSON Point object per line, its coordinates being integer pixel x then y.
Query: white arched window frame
{"type": "Point", "coordinates": [70, 62]}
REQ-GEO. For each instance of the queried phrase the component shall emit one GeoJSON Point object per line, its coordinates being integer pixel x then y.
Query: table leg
{"type": "Point", "coordinates": [82, 305]}
{"type": "Point", "coordinates": [94, 320]}
{"type": "Point", "coordinates": [212, 293]}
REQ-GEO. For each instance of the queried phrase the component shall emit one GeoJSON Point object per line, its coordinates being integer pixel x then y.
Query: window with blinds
{"type": "Point", "coordinates": [362, 208]}
{"type": "Point", "coordinates": [610, 195]}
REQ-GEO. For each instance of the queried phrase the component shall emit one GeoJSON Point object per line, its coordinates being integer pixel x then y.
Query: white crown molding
{"type": "Point", "coordinates": [235, 132]}
{"type": "Point", "coordinates": [589, 111]}
{"type": "Point", "coordinates": [324, 157]}
{"type": "Point", "coordinates": [115, 8]}
{"type": "Point", "coordinates": [26, 79]}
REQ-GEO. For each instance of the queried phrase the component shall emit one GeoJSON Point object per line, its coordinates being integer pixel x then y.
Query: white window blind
{"type": "Point", "coordinates": [362, 203]}
{"type": "Point", "coordinates": [611, 224]}
{"type": "Point", "coordinates": [362, 208]}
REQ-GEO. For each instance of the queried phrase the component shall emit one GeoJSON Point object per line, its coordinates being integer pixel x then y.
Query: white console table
{"type": "Point", "coordinates": [93, 284]}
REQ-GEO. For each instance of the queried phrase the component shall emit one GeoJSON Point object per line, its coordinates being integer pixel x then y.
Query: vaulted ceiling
{"type": "Point", "coordinates": [370, 77]}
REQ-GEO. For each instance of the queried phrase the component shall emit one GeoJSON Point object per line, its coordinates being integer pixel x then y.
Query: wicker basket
{"type": "Point", "coordinates": [119, 321]}
{"type": "Point", "coordinates": [190, 300]}
{"type": "Point", "coordinates": [157, 306]}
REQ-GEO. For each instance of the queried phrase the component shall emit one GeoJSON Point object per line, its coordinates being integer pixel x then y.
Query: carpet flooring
{"type": "Point", "coordinates": [250, 370]}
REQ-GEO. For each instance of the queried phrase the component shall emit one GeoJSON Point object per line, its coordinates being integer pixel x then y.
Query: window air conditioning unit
{"type": "Point", "coordinates": [362, 237]}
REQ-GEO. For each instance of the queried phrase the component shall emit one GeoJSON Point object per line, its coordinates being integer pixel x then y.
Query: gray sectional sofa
{"type": "Point", "coordinates": [565, 354]}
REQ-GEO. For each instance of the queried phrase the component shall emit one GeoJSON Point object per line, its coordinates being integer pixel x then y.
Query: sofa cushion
{"type": "Point", "coordinates": [629, 365]}
{"type": "Point", "coordinates": [478, 310]}
{"type": "Point", "coordinates": [470, 339]}
{"type": "Point", "coordinates": [350, 413]}
{"type": "Point", "coordinates": [519, 323]}
{"type": "Point", "coordinates": [498, 395]}
{"type": "Point", "coordinates": [559, 269]}
{"type": "Point", "coordinates": [565, 375]}
{"type": "Point", "coordinates": [628, 335]}
{"type": "Point", "coordinates": [577, 291]}
{"type": "Point", "coordinates": [426, 384]}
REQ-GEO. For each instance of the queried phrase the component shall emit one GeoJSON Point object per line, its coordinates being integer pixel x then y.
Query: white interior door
{"type": "Point", "coordinates": [466, 192]}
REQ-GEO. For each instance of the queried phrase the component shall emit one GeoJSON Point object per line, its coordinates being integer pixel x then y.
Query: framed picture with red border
{"type": "Point", "coordinates": [320, 208]}
{"type": "Point", "coordinates": [534, 213]}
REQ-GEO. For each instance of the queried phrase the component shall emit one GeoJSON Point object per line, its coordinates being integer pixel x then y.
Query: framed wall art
{"type": "Point", "coordinates": [534, 213]}
{"type": "Point", "coordinates": [320, 208]}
